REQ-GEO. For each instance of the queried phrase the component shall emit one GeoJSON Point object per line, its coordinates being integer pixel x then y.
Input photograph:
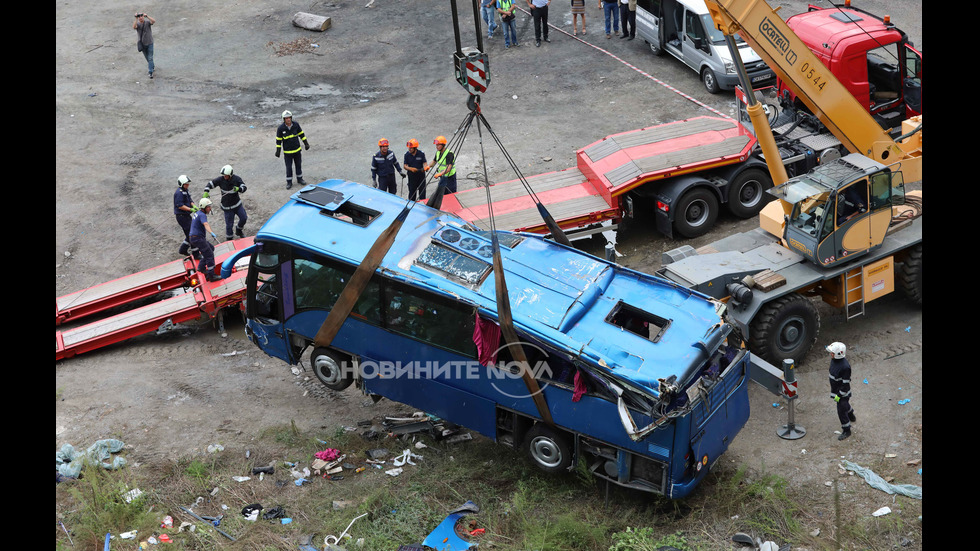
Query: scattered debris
{"type": "Point", "coordinates": [877, 482]}
{"type": "Point", "coordinates": [881, 512]}
{"type": "Point", "coordinates": [299, 46]}
{"type": "Point", "coordinates": [445, 536]}
{"type": "Point", "coordinates": [69, 463]}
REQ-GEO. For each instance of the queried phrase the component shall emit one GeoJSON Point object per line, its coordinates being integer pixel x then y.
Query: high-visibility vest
{"type": "Point", "coordinates": [441, 162]}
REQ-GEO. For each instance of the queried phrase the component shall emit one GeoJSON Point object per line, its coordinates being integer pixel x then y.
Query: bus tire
{"type": "Point", "coordinates": [696, 212]}
{"type": "Point", "coordinates": [547, 448]}
{"type": "Point", "coordinates": [328, 366]}
{"type": "Point", "coordinates": [785, 328]}
{"type": "Point", "coordinates": [747, 192]}
{"type": "Point", "coordinates": [910, 275]}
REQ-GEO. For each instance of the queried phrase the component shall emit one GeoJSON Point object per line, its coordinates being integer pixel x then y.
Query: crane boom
{"type": "Point", "coordinates": [813, 83]}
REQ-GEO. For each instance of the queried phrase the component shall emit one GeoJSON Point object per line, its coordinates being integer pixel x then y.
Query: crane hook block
{"type": "Point", "coordinates": [472, 70]}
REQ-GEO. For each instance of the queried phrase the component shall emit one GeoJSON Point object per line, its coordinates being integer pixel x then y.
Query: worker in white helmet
{"type": "Point", "coordinates": [288, 138]}
{"type": "Point", "coordinates": [200, 229]}
{"type": "Point", "coordinates": [231, 187]}
{"type": "Point", "coordinates": [840, 387]}
{"type": "Point", "coordinates": [184, 208]}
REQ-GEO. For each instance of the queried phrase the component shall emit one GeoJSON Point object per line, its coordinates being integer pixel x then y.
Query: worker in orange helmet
{"type": "Point", "coordinates": [445, 164]}
{"type": "Point", "coordinates": [416, 166]}
{"type": "Point", "coordinates": [383, 168]}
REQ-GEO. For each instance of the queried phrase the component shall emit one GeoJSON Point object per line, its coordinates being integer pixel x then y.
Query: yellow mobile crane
{"type": "Point", "coordinates": [843, 229]}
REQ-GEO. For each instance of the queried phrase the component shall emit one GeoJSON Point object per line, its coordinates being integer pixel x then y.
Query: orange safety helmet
{"type": "Point", "coordinates": [383, 142]}
{"type": "Point", "coordinates": [413, 143]}
{"type": "Point", "coordinates": [440, 140]}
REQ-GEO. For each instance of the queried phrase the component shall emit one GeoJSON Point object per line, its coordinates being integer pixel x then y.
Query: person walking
{"type": "Point", "coordinates": [184, 208]}
{"type": "Point", "coordinates": [611, 12]}
{"type": "Point", "coordinates": [445, 164]}
{"type": "Point", "coordinates": [627, 15]}
{"type": "Point", "coordinates": [488, 10]}
{"type": "Point", "coordinates": [144, 33]}
{"type": "Point", "coordinates": [198, 235]}
{"type": "Point", "coordinates": [508, 20]}
{"type": "Point", "coordinates": [288, 137]}
{"type": "Point", "coordinates": [840, 387]}
{"type": "Point", "coordinates": [539, 12]}
{"type": "Point", "coordinates": [416, 166]}
{"type": "Point", "coordinates": [231, 187]}
{"type": "Point", "coordinates": [384, 164]}
{"type": "Point", "coordinates": [578, 9]}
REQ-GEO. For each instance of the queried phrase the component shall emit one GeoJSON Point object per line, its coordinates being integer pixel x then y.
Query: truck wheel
{"type": "Point", "coordinates": [329, 367]}
{"type": "Point", "coordinates": [710, 81]}
{"type": "Point", "coordinates": [747, 192]}
{"type": "Point", "coordinates": [548, 449]}
{"type": "Point", "coordinates": [696, 213]}
{"type": "Point", "coordinates": [910, 275]}
{"type": "Point", "coordinates": [785, 328]}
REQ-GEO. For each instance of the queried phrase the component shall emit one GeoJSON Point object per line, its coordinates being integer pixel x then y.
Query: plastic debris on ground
{"type": "Point", "coordinates": [877, 482]}
{"type": "Point", "coordinates": [446, 537]}
{"type": "Point", "coordinates": [69, 462]}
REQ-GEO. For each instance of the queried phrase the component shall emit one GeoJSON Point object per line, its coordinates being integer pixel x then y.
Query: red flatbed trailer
{"type": "Point", "coordinates": [202, 300]}
{"type": "Point", "coordinates": [593, 191]}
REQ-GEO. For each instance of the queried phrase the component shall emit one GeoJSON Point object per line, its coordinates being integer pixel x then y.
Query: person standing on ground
{"type": "Point", "coordinates": [144, 32]}
{"type": "Point", "coordinates": [199, 240]}
{"type": "Point", "coordinates": [840, 387]}
{"type": "Point", "coordinates": [183, 209]}
{"type": "Point", "coordinates": [627, 14]}
{"type": "Point", "coordinates": [445, 164]}
{"type": "Point", "coordinates": [488, 10]}
{"type": "Point", "coordinates": [539, 12]}
{"type": "Point", "coordinates": [578, 8]}
{"type": "Point", "coordinates": [508, 20]}
{"type": "Point", "coordinates": [416, 166]}
{"type": "Point", "coordinates": [231, 186]}
{"type": "Point", "coordinates": [383, 167]}
{"type": "Point", "coordinates": [288, 138]}
{"type": "Point", "coordinates": [611, 12]}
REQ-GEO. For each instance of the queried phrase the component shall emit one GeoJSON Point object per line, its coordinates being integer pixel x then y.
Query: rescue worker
{"type": "Point", "coordinates": [416, 166]}
{"type": "Point", "coordinates": [383, 167]}
{"type": "Point", "coordinates": [199, 240]}
{"type": "Point", "coordinates": [231, 186]}
{"type": "Point", "coordinates": [183, 209]}
{"type": "Point", "coordinates": [288, 138]}
{"type": "Point", "coordinates": [840, 387]}
{"type": "Point", "coordinates": [445, 165]}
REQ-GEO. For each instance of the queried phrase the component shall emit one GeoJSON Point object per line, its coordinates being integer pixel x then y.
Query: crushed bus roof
{"type": "Point", "coordinates": [555, 291]}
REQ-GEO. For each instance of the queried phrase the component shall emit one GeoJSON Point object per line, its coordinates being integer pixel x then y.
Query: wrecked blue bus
{"type": "Point", "coordinates": [645, 380]}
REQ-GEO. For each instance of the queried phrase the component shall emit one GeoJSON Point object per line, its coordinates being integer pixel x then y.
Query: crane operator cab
{"type": "Point", "coordinates": [839, 210]}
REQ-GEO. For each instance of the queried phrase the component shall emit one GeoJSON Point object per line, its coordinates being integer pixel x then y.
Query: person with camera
{"type": "Point", "coordinates": [144, 41]}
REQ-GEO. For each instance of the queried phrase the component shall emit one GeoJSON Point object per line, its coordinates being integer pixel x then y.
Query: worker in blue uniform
{"type": "Point", "coordinates": [288, 137]}
{"type": "Point", "coordinates": [840, 387]}
{"type": "Point", "coordinates": [184, 208]}
{"type": "Point", "coordinates": [199, 231]}
{"type": "Point", "coordinates": [384, 164]}
{"type": "Point", "coordinates": [231, 187]}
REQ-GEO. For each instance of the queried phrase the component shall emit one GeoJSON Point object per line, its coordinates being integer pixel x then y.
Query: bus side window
{"type": "Point", "coordinates": [429, 318]}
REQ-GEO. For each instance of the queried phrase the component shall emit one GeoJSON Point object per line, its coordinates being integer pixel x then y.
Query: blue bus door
{"type": "Point", "coordinates": [271, 304]}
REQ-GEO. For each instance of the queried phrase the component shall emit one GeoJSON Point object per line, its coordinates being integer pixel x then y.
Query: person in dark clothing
{"type": "Point", "coordinates": [231, 186]}
{"type": "Point", "coordinates": [384, 164]}
{"type": "Point", "coordinates": [840, 387]}
{"type": "Point", "coordinates": [416, 166]}
{"type": "Point", "coordinates": [199, 231]}
{"type": "Point", "coordinates": [183, 209]}
{"type": "Point", "coordinates": [288, 137]}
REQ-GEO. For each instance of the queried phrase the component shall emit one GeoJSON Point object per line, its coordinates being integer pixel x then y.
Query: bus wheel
{"type": "Point", "coordinates": [910, 275]}
{"type": "Point", "coordinates": [548, 449]}
{"type": "Point", "coordinates": [333, 369]}
{"type": "Point", "coordinates": [785, 328]}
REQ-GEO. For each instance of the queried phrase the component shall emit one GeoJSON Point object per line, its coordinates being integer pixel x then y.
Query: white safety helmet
{"type": "Point", "coordinates": [204, 203]}
{"type": "Point", "coordinates": [227, 170]}
{"type": "Point", "coordinates": [183, 179]}
{"type": "Point", "coordinates": [837, 349]}
{"type": "Point", "coordinates": [286, 114]}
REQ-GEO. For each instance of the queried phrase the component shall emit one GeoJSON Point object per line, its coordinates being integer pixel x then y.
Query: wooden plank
{"type": "Point", "coordinates": [311, 22]}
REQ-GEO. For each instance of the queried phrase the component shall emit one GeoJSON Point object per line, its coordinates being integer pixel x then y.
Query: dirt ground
{"type": "Point", "coordinates": [383, 69]}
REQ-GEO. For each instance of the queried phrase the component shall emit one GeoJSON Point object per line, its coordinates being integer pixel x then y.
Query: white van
{"type": "Point", "coordinates": [685, 30]}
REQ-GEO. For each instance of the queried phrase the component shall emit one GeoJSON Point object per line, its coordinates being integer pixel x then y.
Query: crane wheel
{"type": "Point", "coordinates": [910, 275]}
{"type": "Point", "coordinates": [785, 328]}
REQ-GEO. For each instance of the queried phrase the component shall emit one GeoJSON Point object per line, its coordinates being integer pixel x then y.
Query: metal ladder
{"type": "Point", "coordinates": [854, 287]}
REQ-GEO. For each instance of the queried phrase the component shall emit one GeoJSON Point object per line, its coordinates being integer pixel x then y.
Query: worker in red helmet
{"type": "Point", "coordinates": [445, 164]}
{"type": "Point", "coordinates": [416, 166]}
{"type": "Point", "coordinates": [384, 164]}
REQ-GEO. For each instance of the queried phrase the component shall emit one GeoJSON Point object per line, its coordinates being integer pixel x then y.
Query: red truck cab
{"type": "Point", "coordinates": [868, 54]}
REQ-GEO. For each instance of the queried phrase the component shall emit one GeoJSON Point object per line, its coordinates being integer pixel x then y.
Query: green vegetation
{"type": "Point", "coordinates": [520, 507]}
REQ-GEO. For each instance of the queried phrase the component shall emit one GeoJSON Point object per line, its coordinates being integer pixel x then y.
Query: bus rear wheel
{"type": "Point", "coordinates": [332, 368]}
{"type": "Point", "coordinates": [548, 449]}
